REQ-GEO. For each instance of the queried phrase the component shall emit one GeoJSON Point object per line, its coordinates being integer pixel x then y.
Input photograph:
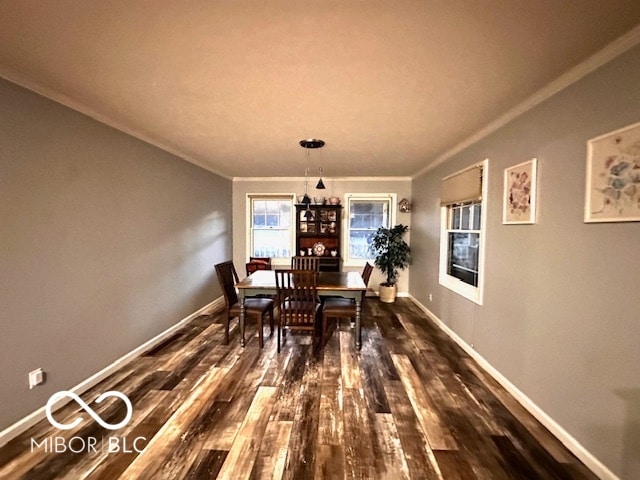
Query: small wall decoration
{"type": "Point", "coordinates": [613, 176]}
{"type": "Point", "coordinates": [519, 205]}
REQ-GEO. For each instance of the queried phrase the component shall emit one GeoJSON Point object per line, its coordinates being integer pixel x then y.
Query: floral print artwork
{"type": "Point", "coordinates": [613, 177]}
{"type": "Point", "coordinates": [519, 193]}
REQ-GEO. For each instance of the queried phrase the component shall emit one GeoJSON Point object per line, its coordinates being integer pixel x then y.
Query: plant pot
{"type": "Point", "coordinates": [388, 294]}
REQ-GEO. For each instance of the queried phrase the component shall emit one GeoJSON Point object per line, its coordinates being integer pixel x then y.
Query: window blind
{"type": "Point", "coordinates": [464, 186]}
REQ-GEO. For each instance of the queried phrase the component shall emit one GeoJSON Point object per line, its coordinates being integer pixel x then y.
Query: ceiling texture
{"type": "Point", "coordinates": [392, 87]}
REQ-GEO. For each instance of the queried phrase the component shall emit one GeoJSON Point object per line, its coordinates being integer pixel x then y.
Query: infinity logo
{"type": "Point", "coordinates": [64, 393]}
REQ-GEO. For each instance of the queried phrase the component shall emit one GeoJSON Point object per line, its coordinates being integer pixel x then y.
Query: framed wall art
{"type": "Point", "coordinates": [519, 203]}
{"type": "Point", "coordinates": [613, 177]}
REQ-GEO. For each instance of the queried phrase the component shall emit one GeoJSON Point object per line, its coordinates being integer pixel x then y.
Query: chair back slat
{"type": "Point", "coordinates": [305, 263]}
{"type": "Point", "coordinates": [228, 277]}
{"type": "Point", "coordinates": [366, 275]}
{"type": "Point", "coordinates": [297, 297]}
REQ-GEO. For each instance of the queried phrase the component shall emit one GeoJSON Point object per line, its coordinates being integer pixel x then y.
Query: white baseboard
{"type": "Point", "coordinates": [597, 467]}
{"type": "Point", "coordinates": [27, 422]}
{"type": "Point", "coordinates": [376, 293]}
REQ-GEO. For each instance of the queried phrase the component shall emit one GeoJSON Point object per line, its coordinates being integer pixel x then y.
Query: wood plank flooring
{"type": "Point", "coordinates": [410, 405]}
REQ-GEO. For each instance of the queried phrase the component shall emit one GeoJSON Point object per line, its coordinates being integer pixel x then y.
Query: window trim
{"type": "Point", "coordinates": [348, 197]}
{"type": "Point", "coordinates": [250, 197]}
{"type": "Point", "coordinates": [475, 294]}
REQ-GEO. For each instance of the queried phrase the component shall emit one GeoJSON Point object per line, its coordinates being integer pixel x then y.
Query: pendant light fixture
{"type": "Point", "coordinates": [320, 184]}
{"type": "Point", "coordinates": [313, 143]}
{"type": "Point", "coordinates": [306, 200]}
{"type": "Point", "coordinates": [308, 214]}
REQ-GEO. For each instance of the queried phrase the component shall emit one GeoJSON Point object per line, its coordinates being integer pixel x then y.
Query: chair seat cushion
{"type": "Point", "coordinates": [253, 305]}
{"type": "Point", "coordinates": [339, 307]}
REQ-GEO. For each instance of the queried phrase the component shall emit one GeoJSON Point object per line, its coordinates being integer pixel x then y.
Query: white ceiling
{"type": "Point", "coordinates": [391, 86]}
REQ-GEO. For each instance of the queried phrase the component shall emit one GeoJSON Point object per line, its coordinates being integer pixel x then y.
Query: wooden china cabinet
{"type": "Point", "coordinates": [318, 230]}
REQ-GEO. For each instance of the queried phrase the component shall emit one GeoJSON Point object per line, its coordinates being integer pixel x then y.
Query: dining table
{"type": "Point", "coordinates": [334, 284]}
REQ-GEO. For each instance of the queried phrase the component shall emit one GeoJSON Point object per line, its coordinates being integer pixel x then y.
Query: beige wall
{"type": "Point", "coordinates": [335, 187]}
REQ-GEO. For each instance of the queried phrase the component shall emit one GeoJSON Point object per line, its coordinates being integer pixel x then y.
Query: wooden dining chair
{"type": "Point", "coordinates": [339, 307]}
{"type": "Point", "coordinates": [298, 301]}
{"type": "Point", "coordinates": [305, 263]}
{"type": "Point", "coordinates": [254, 307]}
{"type": "Point", "coordinates": [258, 263]}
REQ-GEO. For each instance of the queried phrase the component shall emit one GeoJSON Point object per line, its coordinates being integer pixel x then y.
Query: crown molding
{"type": "Point", "coordinates": [13, 77]}
{"type": "Point", "coordinates": [332, 179]}
{"type": "Point", "coordinates": [619, 46]}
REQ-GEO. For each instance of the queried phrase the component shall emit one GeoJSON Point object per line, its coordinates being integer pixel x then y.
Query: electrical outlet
{"type": "Point", "coordinates": [36, 377]}
{"type": "Point", "coordinates": [431, 297]}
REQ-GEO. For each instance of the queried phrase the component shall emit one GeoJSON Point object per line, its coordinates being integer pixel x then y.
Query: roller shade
{"type": "Point", "coordinates": [465, 186]}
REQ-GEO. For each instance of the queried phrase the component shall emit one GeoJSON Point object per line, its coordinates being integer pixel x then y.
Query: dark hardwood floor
{"type": "Point", "coordinates": [410, 404]}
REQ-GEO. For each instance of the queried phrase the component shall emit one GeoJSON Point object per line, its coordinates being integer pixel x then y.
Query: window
{"type": "Point", "coordinates": [271, 226]}
{"type": "Point", "coordinates": [365, 213]}
{"type": "Point", "coordinates": [462, 232]}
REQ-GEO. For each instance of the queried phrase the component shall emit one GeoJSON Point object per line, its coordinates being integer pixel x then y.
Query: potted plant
{"type": "Point", "coordinates": [392, 254]}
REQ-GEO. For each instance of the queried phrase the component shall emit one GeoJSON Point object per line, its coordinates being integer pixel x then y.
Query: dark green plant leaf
{"type": "Point", "coordinates": [391, 252]}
